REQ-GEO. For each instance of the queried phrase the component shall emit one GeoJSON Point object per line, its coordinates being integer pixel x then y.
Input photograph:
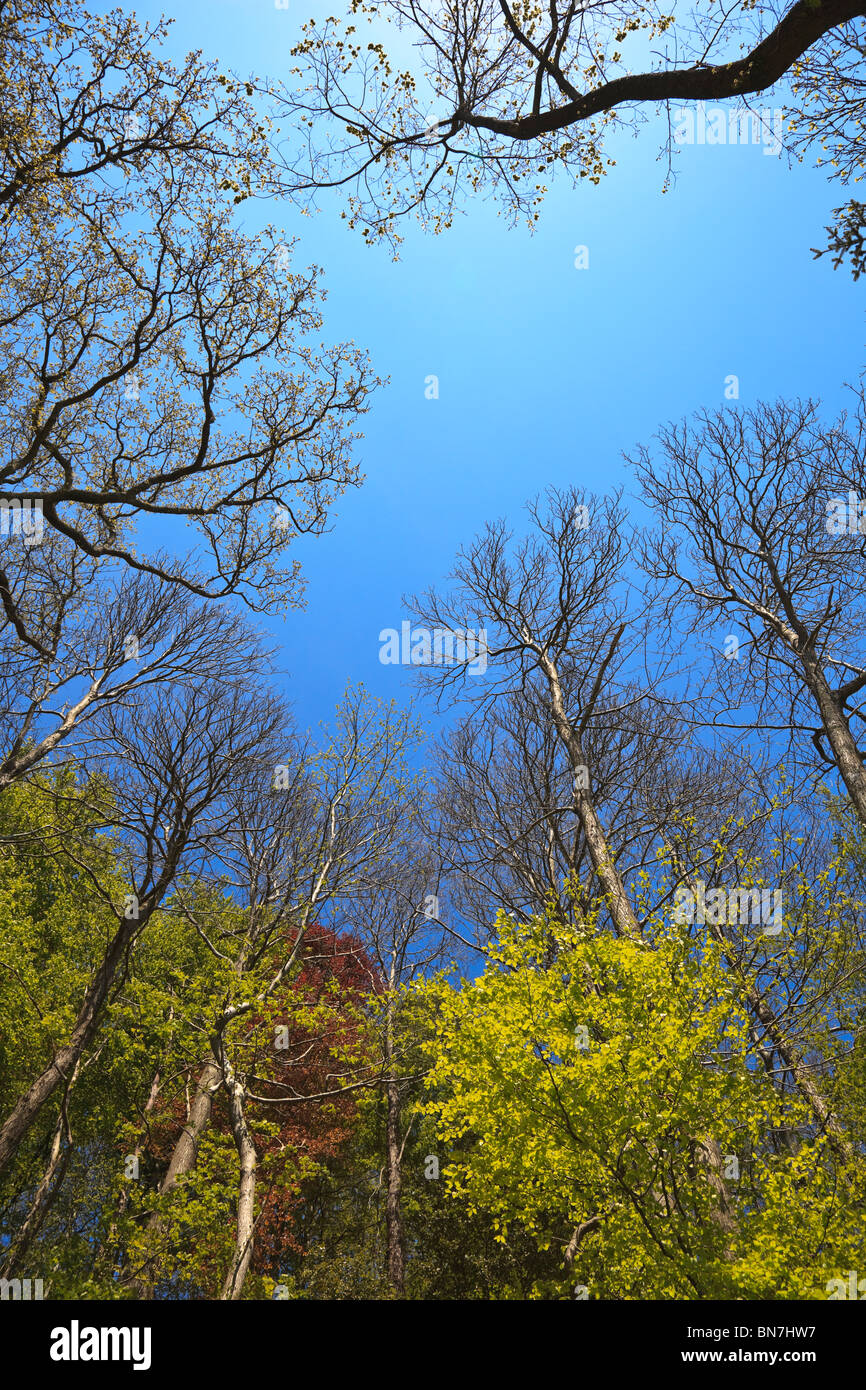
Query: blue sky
{"type": "Point", "coordinates": [547, 373]}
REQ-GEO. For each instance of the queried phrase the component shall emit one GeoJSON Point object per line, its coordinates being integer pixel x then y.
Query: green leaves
{"type": "Point", "coordinates": [631, 1094]}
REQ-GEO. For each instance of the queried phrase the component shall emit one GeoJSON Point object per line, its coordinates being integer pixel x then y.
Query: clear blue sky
{"type": "Point", "coordinates": [547, 373]}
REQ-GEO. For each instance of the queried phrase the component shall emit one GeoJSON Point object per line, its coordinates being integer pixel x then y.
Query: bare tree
{"type": "Point", "coordinates": [174, 762]}
{"type": "Point", "coordinates": [751, 537]}
{"type": "Point", "coordinates": [554, 612]}
{"type": "Point", "coordinates": [558, 613]}
{"type": "Point", "coordinates": [504, 817]}
{"type": "Point", "coordinates": [760, 532]}
{"type": "Point", "coordinates": [95, 644]}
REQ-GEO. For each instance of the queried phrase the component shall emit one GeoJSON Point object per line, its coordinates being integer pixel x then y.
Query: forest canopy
{"type": "Point", "coordinates": [546, 983]}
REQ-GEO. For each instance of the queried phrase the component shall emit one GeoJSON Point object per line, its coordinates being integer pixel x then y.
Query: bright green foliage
{"type": "Point", "coordinates": [590, 1072]}
{"type": "Point", "coordinates": [55, 923]}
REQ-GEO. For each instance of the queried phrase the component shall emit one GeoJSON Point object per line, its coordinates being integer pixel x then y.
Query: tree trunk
{"type": "Point", "coordinates": [184, 1153]}
{"type": "Point", "coordinates": [247, 1158]}
{"type": "Point", "coordinates": [182, 1161]}
{"type": "Point", "coordinates": [818, 1104]}
{"type": "Point", "coordinates": [49, 1186]}
{"type": "Point", "coordinates": [624, 921]}
{"type": "Point", "coordinates": [709, 1154]}
{"type": "Point", "coordinates": [67, 1057]}
{"type": "Point", "coordinates": [839, 736]}
{"type": "Point", "coordinates": [393, 1214]}
{"type": "Point", "coordinates": [394, 1161]}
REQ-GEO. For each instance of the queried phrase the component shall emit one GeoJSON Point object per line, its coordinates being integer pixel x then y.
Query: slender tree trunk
{"type": "Point", "coordinates": [67, 1057]}
{"type": "Point", "coordinates": [49, 1186]}
{"type": "Point", "coordinates": [247, 1159]}
{"type": "Point", "coordinates": [839, 736]}
{"type": "Point", "coordinates": [182, 1161]}
{"type": "Point", "coordinates": [184, 1153]}
{"type": "Point", "coordinates": [799, 1070]}
{"type": "Point", "coordinates": [624, 921]}
{"type": "Point", "coordinates": [123, 1201]}
{"type": "Point", "coordinates": [393, 1213]}
{"type": "Point", "coordinates": [709, 1154]}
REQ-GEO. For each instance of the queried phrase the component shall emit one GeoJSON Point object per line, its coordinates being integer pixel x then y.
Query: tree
{"type": "Point", "coordinates": [97, 644]}
{"type": "Point", "coordinates": [51, 927]}
{"type": "Point", "coordinates": [557, 610]}
{"type": "Point", "coordinates": [83, 96]}
{"type": "Point", "coordinates": [498, 95]}
{"type": "Point", "coordinates": [76, 1200]}
{"type": "Point", "coordinates": [174, 768]}
{"type": "Point", "coordinates": [554, 611]}
{"type": "Point", "coordinates": [156, 359]}
{"type": "Point", "coordinates": [754, 507]}
{"type": "Point", "coordinates": [279, 1122]}
{"type": "Point", "coordinates": [399, 917]}
{"type": "Point", "coordinates": [302, 842]}
{"type": "Point", "coordinates": [584, 1082]}
{"type": "Point", "coordinates": [504, 820]}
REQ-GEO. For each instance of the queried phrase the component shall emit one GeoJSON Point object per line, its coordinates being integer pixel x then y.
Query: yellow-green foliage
{"type": "Point", "coordinates": [586, 1076]}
